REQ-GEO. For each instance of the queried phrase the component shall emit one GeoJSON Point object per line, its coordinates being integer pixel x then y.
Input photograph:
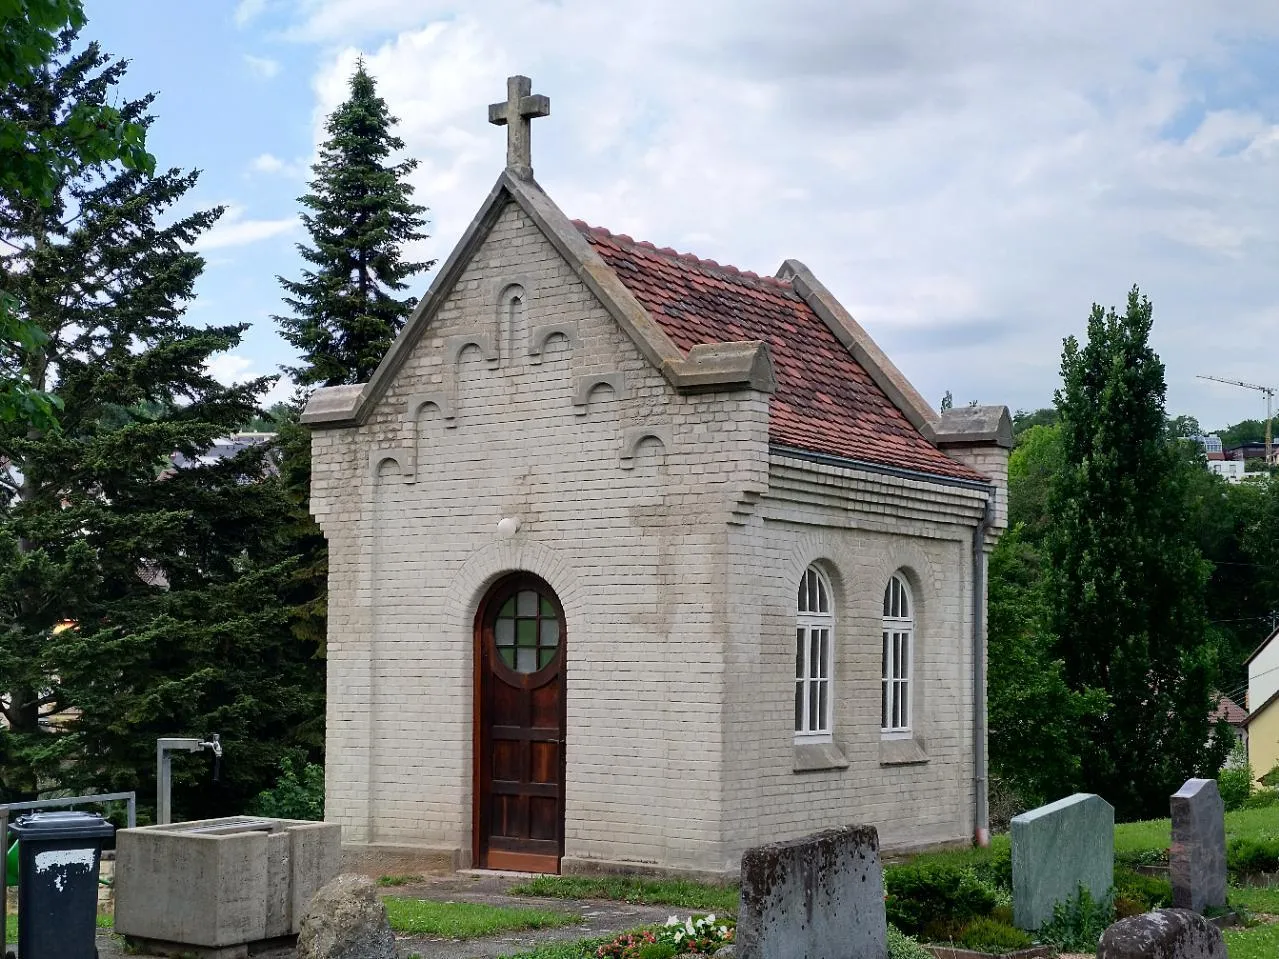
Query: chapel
{"type": "Point", "coordinates": [638, 560]}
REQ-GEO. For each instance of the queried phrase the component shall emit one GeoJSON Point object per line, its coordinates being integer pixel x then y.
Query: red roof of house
{"type": "Point", "coordinates": [825, 401]}
{"type": "Point", "coordinates": [1230, 711]}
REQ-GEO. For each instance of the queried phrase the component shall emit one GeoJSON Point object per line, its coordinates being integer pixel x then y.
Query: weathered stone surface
{"type": "Point", "coordinates": [1163, 934]}
{"type": "Point", "coordinates": [821, 897]}
{"type": "Point", "coordinates": [1058, 848]}
{"type": "Point", "coordinates": [346, 920]}
{"type": "Point", "coordinates": [1197, 859]}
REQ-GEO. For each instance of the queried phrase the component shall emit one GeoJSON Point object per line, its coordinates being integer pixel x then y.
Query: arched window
{"type": "Point", "coordinates": [814, 629]}
{"type": "Point", "coordinates": [898, 665]}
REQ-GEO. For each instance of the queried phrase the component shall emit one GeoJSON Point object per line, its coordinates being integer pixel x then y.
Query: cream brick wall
{"type": "Point", "coordinates": [676, 569]}
{"type": "Point", "coordinates": [860, 528]}
{"type": "Point", "coordinates": [635, 556]}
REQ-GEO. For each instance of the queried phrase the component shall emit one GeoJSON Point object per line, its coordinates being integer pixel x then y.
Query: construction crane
{"type": "Point", "coordinates": [1270, 395]}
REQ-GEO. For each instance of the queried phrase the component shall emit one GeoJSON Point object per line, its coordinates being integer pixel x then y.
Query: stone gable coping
{"type": "Point", "coordinates": [975, 426]}
{"type": "Point", "coordinates": [864, 349]}
{"type": "Point", "coordinates": [722, 366]}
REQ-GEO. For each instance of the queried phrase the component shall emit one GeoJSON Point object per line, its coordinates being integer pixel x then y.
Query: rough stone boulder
{"type": "Point", "coordinates": [1163, 934]}
{"type": "Point", "coordinates": [346, 920]}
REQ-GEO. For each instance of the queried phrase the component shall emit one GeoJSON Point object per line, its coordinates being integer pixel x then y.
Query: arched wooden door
{"type": "Point", "coordinates": [519, 727]}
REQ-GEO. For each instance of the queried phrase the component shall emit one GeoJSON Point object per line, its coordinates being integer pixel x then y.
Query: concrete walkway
{"type": "Point", "coordinates": [600, 917]}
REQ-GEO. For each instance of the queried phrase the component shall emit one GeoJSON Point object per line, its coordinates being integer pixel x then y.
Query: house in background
{"type": "Point", "coordinates": [1234, 714]}
{"type": "Point", "coordinates": [1262, 724]}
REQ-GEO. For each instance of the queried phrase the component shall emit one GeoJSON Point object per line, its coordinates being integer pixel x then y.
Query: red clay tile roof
{"type": "Point", "coordinates": [825, 401]}
{"type": "Point", "coordinates": [1230, 711]}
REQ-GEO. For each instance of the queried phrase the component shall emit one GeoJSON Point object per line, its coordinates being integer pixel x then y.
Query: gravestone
{"type": "Point", "coordinates": [821, 897]}
{"type": "Point", "coordinates": [1058, 848]}
{"type": "Point", "coordinates": [1197, 859]}
{"type": "Point", "coordinates": [1163, 934]}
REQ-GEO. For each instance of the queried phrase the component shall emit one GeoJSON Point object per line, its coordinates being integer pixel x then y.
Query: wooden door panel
{"type": "Point", "coordinates": [520, 727]}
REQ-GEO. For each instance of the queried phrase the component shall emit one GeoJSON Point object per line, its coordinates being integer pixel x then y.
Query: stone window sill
{"type": "Point", "coordinates": [811, 757]}
{"type": "Point", "coordinates": [902, 752]}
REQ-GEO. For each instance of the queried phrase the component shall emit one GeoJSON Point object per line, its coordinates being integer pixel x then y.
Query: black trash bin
{"type": "Point", "coordinates": [58, 858]}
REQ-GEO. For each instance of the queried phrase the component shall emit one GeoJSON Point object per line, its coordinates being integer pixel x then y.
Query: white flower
{"type": "Point", "coordinates": [689, 926]}
{"type": "Point", "coordinates": [710, 918]}
{"type": "Point", "coordinates": [673, 921]}
{"type": "Point", "coordinates": [723, 930]}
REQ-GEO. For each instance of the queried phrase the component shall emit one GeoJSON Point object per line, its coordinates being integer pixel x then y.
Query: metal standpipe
{"type": "Point", "coordinates": [164, 768]}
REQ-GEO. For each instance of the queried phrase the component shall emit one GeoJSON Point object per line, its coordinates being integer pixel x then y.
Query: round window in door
{"type": "Point", "coordinates": [527, 630]}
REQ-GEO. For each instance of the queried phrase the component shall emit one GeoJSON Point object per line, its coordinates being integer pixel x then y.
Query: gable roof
{"type": "Point", "coordinates": [1258, 651]}
{"type": "Point", "coordinates": [826, 402]}
{"type": "Point", "coordinates": [1230, 711]}
{"type": "Point", "coordinates": [707, 327]}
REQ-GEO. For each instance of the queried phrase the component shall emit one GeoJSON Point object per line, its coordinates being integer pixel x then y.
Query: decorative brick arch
{"type": "Point", "coordinates": [490, 563]}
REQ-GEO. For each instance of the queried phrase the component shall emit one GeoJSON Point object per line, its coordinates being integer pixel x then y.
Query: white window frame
{"type": "Point", "coordinates": [814, 658]}
{"type": "Point", "coordinates": [897, 660]}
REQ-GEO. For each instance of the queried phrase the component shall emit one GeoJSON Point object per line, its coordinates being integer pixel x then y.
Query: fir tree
{"type": "Point", "coordinates": [359, 214]}
{"type": "Point", "coordinates": [1126, 577]}
{"type": "Point", "coordinates": [345, 310]}
{"type": "Point", "coordinates": [136, 599]}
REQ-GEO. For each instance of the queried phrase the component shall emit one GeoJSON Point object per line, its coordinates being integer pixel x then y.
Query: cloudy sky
{"type": "Point", "coordinates": [967, 177]}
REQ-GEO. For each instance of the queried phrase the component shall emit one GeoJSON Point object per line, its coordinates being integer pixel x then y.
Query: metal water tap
{"type": "Point", "coordinates": [163, 771]}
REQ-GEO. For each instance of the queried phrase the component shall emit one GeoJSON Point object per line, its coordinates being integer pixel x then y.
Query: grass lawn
{"type": "Point", "coordinates": [1149, 841]}
{"type": "Point", "coordinates": [1259, 942]}
{"type": "Point", "coordinates": [11, 930]}
{"type": "Point", "coordinates": [467, 920]}
{"type": "Point", "coordinates": [672, 892]}
{"type": "Point", "coordinates": [1255, 899]}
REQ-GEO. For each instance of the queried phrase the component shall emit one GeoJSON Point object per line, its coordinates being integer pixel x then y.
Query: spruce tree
{"type": "Point", "coordinates": [1126, 578]}
{"type": "Point", "coordinates": [136, 599]}
{"type": "Point", "coordinates": [359, 213]}
{"type": "Point", "coordinates": [346, 307]}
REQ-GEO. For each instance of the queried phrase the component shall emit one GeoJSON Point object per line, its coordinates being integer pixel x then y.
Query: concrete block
{"type": "Point", "coordinates": [219, 883]}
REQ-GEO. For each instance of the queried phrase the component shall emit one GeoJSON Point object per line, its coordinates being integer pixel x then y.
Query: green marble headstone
{"type": "Point", "coordinates": [1056, 849]}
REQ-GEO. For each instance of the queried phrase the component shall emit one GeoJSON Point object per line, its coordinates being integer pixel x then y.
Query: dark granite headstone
{"type": "Point", "coordinates": [821, 897]}
{"type": "Point", "coordinates": [1198, 855]}
{"type": "Point", "coordinates": [1163, 934]}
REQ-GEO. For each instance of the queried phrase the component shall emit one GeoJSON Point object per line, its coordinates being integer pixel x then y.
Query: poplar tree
{"type": "Point", "coordinates": [348, 307]}
{"type": "Point", "coordinates": [136, 599]}
{"type": "Point", "coordinates": [1126, 578]}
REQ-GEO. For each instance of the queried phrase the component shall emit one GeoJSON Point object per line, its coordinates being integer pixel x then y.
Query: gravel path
{"type": "Point", "coordinates": [600, 917]}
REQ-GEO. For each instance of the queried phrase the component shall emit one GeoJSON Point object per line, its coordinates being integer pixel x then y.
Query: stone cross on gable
{"type": "Point", "coordinates": [520, 107]}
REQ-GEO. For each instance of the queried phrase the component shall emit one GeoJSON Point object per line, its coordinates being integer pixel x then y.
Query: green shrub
{"type": "Point", "coordinates": [1077, 925]}
{"type": "Point", "coordinates": [1137, 889]}
{"type": "Point", "coordinates": [657, 950]}
{"type": "Point", "coordinates": [1271, 779]}
{"type": "Point", "coordinates": [997, 869]}
{"type": "Point", "coordinates": [1235, 786]}
{"type": "Point", "coordinates": [1262, 799]}
{"type": "Point", "coordinates": [989, 935]}
{"type": "Point", "coordinates": [925, 892]}
{"type": "Point", "coordinates": [902, 946]}
{"type": "Point", "coordinates": [1253, 855]}
{"type": "Point", "coordinates": [297, 794]}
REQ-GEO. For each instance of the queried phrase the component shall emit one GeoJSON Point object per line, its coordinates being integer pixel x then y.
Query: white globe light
{"type": "Point", "coordinates": [508, 526]}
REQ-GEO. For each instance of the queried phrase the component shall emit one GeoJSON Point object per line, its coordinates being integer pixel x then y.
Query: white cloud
{"type": "Point", "coordinates": [266, 163]}
{"type": "Point", "coordinates": [232, 368]}
{"type": "Point", "coordinates": [234, 230]}
{"type": "Point", "coordinates": [247, 11]}
{"type": "Point", "coordinates": [968, 178]}
{"type": "Point", "coordinates": [264, 68]}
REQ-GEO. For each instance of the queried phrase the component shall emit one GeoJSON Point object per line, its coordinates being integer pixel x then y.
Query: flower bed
{"type": "Point", "coordinates": [700, 936]}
